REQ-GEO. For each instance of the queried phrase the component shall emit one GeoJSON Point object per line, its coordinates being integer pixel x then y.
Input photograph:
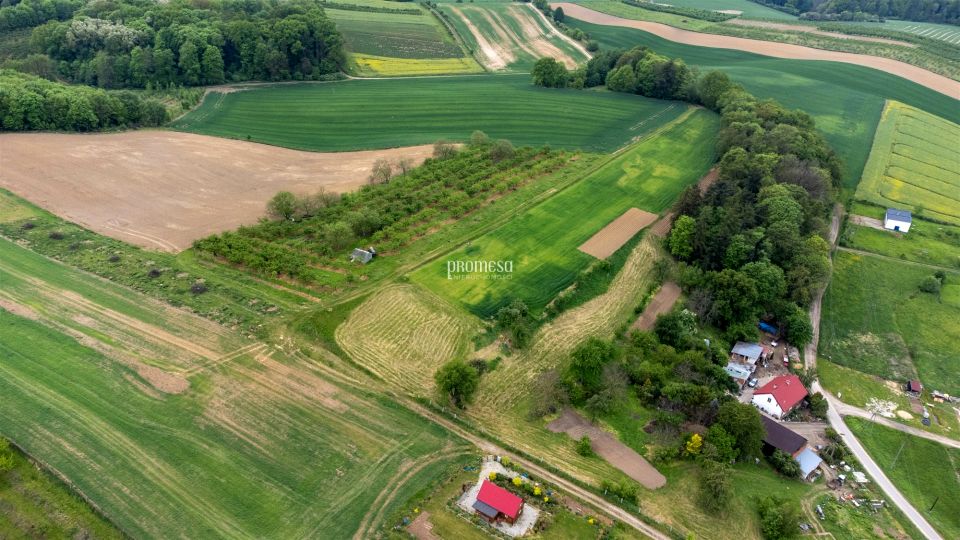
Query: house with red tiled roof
{"type": "Point", "coordinates": [780, 396]}
{"type": "Point", "coordinates": [495, 503]}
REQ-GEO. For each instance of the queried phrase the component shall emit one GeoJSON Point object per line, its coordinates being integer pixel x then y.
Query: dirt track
{"type": "Point", "coordinates": [918, 75]}
{"type": "Point", "coordinates": [163, 189]}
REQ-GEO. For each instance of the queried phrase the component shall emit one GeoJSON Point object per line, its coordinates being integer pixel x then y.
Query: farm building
{"type": "Point", "coordinates": [497, 504]}
{"type": "Point", "coordinates": [780, 396]}
{"type": "Point", "coordinates": [809, 461]}
{"type": "Point", "coordinates": [739, 372]}
{"type": "Point", "coordinates": [897, 220]}
{"type": "Point", "coordinates": [363, 255]}
{"type": "Point", "coordinates": [779, 437]}
{"type": "Point", "coordinates": [746, 353]}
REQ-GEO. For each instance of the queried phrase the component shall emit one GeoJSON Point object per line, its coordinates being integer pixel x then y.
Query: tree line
{"type": "Point", "coordinates": [137, 43]}
{"type": "Point", "coordinates": [30, 13]}
{"type": "Point", "coordinates": [28, 102]}
{"type": "Point", "coordinates": [937, 11]}
{"type": "Point", "coordinates": [752, 246]}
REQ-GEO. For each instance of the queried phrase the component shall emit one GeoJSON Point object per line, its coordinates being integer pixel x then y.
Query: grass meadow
{"type": "Point", "coordinates": [542, 242]}
{"type": "Point", "coordinates": [947, 33]}
{"type": "Point", "coordinates": [927, 242]}
{"type": "Point", "coordinates": [845, 100]}
{"type": "Point", "coordinates": [34, 504]}
{"type": "Point", "coordinates": [260, 444]}
{"type": "Point", "coordinates": [366, 114]}
{"type": "Point", "coordinates": [876, 320]}
{"type": "Point", "coordinates": [924, 471]}
{"type": "Point", "coordinates": [914, 164]}
{"type": "Point", "coordinates": [750, 10]}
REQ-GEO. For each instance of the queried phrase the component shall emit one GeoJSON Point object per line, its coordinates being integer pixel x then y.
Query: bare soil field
{"type": "Point", "coordinates": [610, 238]}
{"type": "Point", "coordinates": [609, 448]}
{"type": "Point", "coordinates": [163, 189]}
{"type": "Point", "coordinates": [662, 302]}
{"type": "Point", "coordinates": [807, 29]}
{"type": "Point", "coordinates": [931, 80]}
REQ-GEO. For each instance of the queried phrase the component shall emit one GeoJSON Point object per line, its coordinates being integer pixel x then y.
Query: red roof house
{"type": "Point", "coordinates": [495, 503]}
{"type": "Point", "coordinates": [780, 396]}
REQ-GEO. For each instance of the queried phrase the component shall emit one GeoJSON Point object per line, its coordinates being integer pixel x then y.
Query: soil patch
{"type": "Point", "coordinates": [865, 221]}
{"type": "Point", "coordinates": [422, 529]}
{"type": "Point", "coordinates": [19, 310]}
{"type": "Point", "coordinates": [662, 302]}
{"type": "Point", "coordinates": [931, 80]}
{"type": "Point", "coordinates": [495, 56]}
{"type": "Point", "coordinates": [609, 448]}
{"type": "Point", "coordinates": [610, 238]}
{"type": "Point", "coordinates": [807, 29]}
{"type": "Point", "coordinates": [163, 189]}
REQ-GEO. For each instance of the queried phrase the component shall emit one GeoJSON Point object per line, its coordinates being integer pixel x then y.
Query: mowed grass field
{"type": "Point", "coordinates": [914, 164]}
{"type": "Point", "coordinates": [259, 445]}
{"type": "Point", "coordinates": [947, 33]}
{"type": "Point", "coordinates": [393, 44]}
{"type": "Point", "coordinates": [876, 320]}
{"type": "Point", "coordinates": [924, 471]}
{"type": "Point", "coordinates": [542, 242]}
{"type": "Point", "coordinates": [510, 35]}
{"type": "Point", "coordinates": [748, 9]}
{"type": "Point", "coordinates": [845, 100]}
{"type": "Point", "coordinates": [366, 114]}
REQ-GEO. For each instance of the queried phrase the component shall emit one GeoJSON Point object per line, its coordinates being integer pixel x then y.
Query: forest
{"type": "Point", "coordinates": [143, 44]}
{"type": "Point", "coordinates": [753, 245]}
{"type": "Point", "coordinates": [936, 11]}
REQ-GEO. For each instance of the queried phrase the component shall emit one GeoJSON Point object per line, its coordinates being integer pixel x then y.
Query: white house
{"type": "Point", "coordinates": [779, 396]}
{"type": "Point", "coordinates": [897, 220]}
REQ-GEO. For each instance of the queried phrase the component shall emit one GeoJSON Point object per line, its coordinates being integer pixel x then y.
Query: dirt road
{"type": "Point", "coordinates": [164, 189]}
{"type": "Point", "coordinates": [931, 80]}
{"type": "Point", "coordinates": [662, 302]}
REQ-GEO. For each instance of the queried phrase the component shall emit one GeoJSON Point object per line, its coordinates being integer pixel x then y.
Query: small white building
{"type": "Point", "coordinates": [897, 220]}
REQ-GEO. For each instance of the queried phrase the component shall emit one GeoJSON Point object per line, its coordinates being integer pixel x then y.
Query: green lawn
{"type": "Point", "coordinates": [877, 321]}
{"type": "Point", "coordinates": [364, 114]}
{"type": "Point", "coordinates": [914, 164]}
{"type": "Point", "coordinates": [924, 471]}
{"type": "Point", "coordinates": [845, 100]}
{"type": "Point", "coordinates": [248, 450]}
{"type": "Point", "coordinates": [751, 10]}
{"type": "Point", "coordinates": [930, 243]}
{"type": "Point", "coordinates": [542, 241]}
{"type": "Point", "coordinates": [34, 504]}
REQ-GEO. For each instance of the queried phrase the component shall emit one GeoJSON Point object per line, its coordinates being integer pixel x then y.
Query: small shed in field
{"type": "Point", "coordinates": [897, 220]}
{"type": "Point", "coordinates": [363, 255]}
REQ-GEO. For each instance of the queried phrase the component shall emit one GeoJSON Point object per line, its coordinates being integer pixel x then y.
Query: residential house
{"type": "Point", "coordinates": [780, 396]}
{"type": "Point", "coordinates": [897, 220]}
{"type": "Point", "coordinates": [497, 504]}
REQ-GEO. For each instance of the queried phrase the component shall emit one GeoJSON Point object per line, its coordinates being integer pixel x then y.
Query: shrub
{"type": "Point", "coordinates": [479, 138]}
{"type": "Point", "coordinates": [457, 381]}
{"type": "Point", "coordinates": [282, 205]}
{"type": "Point", "coordinates": [501, 150]}
{"type": "Point", "coordinates": [444, 150]}
{"type": "Point", "coordinates": [55, 235]}
{"type": "Point", "coordinates": [784, 464]}
{"type": "Point", "coordinates": [154, 273]}
{"type": "Point", "coordinates": [199, 287]}
{"type": "Point", "coordinates": [28, 225]}
{"type": "Point", "coordinates": [114, 258]}
{"type": "Point", "coordinates": [779, 519]}
{"type": "Point", "coordinates": [583, 446]}
{"type": "Point", "coordinates": [930, 284]}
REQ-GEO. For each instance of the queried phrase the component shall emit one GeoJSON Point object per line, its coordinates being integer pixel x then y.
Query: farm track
{"type": "Point", "coordinates": [926, 78]}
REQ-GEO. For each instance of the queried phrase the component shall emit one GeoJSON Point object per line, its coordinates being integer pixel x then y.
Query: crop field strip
{"type": "Point", "coordinates": [510, 35]}
{"type": "Point", "coordinates": [261, 445]}
{"type": "Point", "coordinates": [845, 100]}
{"type": "Point", "coordinates": [913, 164]}
{"type": "Point", "coordinates": [543, 241]}
{"type": "Point", "coordinates": [370, 114]}
{"type": "Point", "coordinates": [949, 34]}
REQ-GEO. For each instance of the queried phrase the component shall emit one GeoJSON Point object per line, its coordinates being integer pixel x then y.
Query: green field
{"type": "Point", "coordinates": [751, 10]}
{"type": "Point", "coordinates": [517, 33]}
{"type": "Point", "coordinates": [845, 100]}
{"type": "Point", "coordinates": [924, 471]}
{"type": "Point", "coordinates": [914, 164]}
{"type": "Point", "coordinates": [877, 321]}
{"type": "Point", "coordinates": [389, 43]}
{"type": "Point", "coordinates": [364, 114]}
{"type": "Point", "coordinates": [260, 444]}
{"type": "Point", "coordinates": [947, 33]}
{"type": "Point", "coordinates": [542, 242]}
{"type": "Point", "coordinates": [34, 504]}
{"type": "Point", "coordinates": [930, 243]}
